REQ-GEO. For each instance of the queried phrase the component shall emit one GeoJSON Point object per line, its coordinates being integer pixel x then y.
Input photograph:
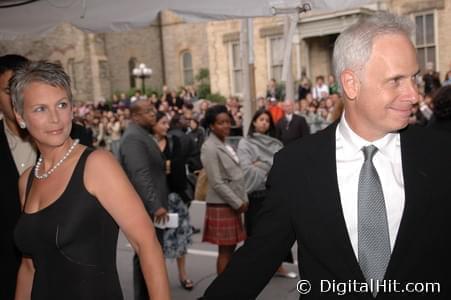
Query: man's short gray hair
{"type": "Point", "coordinates": [39, 71]}
{"type": "Point", "coordinates": [353, 46]}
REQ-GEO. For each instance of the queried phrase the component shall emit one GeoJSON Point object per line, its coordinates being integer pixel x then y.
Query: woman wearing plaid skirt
{"type": "Point", "coordinates": [226, 194]}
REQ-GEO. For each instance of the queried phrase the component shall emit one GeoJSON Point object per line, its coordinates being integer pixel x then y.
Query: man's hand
{"type": "Point", "coordinates": [161, 215]}
{"type": "Point", "coordinates": [243, 207]}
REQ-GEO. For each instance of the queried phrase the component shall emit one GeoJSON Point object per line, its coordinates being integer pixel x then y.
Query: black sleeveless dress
{"type": "Point", "coordinates": [72, 243]}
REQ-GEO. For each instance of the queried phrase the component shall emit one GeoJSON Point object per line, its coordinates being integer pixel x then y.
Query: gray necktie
{"type": "Point", "coordinates": [373, 237]}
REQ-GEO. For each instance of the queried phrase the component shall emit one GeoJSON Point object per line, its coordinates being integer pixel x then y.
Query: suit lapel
{"type": "Point", "coordinates": [221, 147]}
{"type": "Point", "coordinates": [148, 137]}
{"type": "Point", "coordinates": [328, 205]}
{"type": "Point", "coordinates": [5, 152]}
{"type": "Point", "coordinates": [417, 199]}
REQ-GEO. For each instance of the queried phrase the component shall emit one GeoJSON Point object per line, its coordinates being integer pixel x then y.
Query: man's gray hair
{"type": "Point", "coordinates": [353, 46]}
{"type": "Point", "coordinates": [39, 71]}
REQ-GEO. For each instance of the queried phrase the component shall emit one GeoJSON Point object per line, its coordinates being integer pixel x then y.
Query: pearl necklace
{"type": "Point", "coordinates": [47, 174]}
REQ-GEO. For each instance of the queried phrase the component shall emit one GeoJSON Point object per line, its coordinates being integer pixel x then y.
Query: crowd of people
{"type": "Point", "coordinates": [158, 144]}
{"type": "Point", "coordinates": [320, 104]}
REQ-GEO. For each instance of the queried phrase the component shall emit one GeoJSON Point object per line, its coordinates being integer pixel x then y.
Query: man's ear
{"type": "Point", "coordinates": [350, 83]}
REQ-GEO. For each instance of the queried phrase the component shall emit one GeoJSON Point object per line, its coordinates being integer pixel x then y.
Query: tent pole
{"type": "Point", "coordinates": [163, 63]}
{"type": "Point", "coordinates": [247, 57]}
{"type": "Point", "coordinates": [288, 36]}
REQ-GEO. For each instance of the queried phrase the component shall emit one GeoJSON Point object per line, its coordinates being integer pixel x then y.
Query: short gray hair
{"type": "Point", "coordinates": [39, 71]}
{"type": "Point", "coordinates": [353, 46]}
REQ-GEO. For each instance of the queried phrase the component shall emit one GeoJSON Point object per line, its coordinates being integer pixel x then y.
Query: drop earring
{"type": "Point", "coordinates": [22, 124]}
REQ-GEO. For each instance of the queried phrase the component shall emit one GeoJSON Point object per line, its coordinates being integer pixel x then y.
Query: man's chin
{"type": "Point", "coordinates": [400, 126]}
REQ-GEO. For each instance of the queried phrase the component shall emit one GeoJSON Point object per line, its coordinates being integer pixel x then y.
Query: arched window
{"type": "Point", "coordinates": [187, 68]}
{"type": "Point", "coordinates": [131, 65]}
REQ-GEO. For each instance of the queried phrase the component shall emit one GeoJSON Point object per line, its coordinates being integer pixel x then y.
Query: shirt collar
{"type": "Point", "coordinates": [352, 143]}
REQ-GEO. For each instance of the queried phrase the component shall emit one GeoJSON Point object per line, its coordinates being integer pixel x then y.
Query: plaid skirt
{"type": "Point", "coordinates": [223, 225]}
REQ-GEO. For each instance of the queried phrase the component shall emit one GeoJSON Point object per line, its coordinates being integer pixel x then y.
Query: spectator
{"type": "Point", "coordinates": [431, 79]}
{"type": "Point", "coordinates": [333, 85]}
{"type": "Point", "coordinates": [256, 153]}
{"type": "Point", "coordinates": [442, 109]}
{"type": "Point", "coordinates": [320, 90]}
{"type": "Point", "coordinates": [226, 195]}
{"type": "Point", "coordinates": [291, 126]}
{"type": "Point", "coordinates": [176, 240]}
{"type": "Point", "coordinates": [142, 161]}
{"type": "Point", "coordinates": [17, 154]}
{"type": "Point", "coordinates": [447, 80]}
{"type": "Point", "coordinates": [304, 88]}
{"type": "Point", "coordinates": [275, 110]}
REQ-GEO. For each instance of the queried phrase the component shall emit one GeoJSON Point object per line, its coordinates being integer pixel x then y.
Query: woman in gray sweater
{"type": "Point", "coordinates": [256, 153]}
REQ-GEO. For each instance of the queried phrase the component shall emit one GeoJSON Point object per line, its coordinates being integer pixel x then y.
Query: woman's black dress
{"type": "Point", "coordinates": [72, 243]}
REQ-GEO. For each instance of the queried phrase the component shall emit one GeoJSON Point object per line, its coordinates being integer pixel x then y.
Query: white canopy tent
{"type": "Point", "coordinates": [41, 16]}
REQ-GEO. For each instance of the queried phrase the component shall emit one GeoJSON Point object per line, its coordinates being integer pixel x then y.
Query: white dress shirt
{"type": "Point", "coordinates": [289, 117]}
{"type": "Point", "coordinates": [387, 162]}
{"type": "Point", "coordinates": [23, 153]}
{"type": "Point", "coordinates": [233, 153]}
{"type": "Point", "coordinates": [319, 90]}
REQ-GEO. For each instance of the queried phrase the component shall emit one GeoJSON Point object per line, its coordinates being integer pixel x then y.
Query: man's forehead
{"type": "Point", "coordinates": [144, 105]}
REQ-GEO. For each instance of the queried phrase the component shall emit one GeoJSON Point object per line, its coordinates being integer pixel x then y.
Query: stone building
{"type": "Point", "coordinates": [312, 45]}
{"type": "Point", "coordinates": [81, 54]}
{"type": "Point", "coordinates": [101, 64]}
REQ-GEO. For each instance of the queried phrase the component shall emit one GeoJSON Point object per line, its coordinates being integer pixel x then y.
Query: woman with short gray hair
{"type": "Point", "coordinates": [73, 200]}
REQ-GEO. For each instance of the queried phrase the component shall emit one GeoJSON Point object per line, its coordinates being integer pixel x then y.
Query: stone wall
{"type": "Point", "coordinates": [180, 37]}
{"type": "Point", "coordinates": [143, 45]}
{"type": "Point", "coordinates": [66, 45]}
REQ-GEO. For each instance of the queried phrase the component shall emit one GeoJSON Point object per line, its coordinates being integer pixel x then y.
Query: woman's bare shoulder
{"type": "Point", "coordinates": [100, 161]}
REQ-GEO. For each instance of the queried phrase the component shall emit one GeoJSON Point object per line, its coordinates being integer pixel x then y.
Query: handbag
{"type": "Point", "coordinates": [200, 192]}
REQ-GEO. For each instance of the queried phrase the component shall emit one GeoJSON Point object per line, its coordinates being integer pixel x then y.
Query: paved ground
{"type": "Point", "coordinates": [201, 260]}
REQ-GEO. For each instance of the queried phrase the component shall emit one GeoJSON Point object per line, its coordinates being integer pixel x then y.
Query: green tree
{"type": "Point", "coordinates": [204, 89]}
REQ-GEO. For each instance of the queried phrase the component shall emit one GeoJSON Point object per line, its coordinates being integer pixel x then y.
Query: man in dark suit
{"type": "Point", "coordinates": [291, 126]}
{"type": "Point", "coordinates": [367, 199]}
{"type": "Point", "coordinates": [142, 160]}
{"type": "Point", "coordinates": [16, 155]}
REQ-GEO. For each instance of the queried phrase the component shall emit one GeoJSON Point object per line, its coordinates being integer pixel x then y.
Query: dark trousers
{"type": "Point", "coordinates": [139, 284]}
{"type": "Point", "coordinates": [256, 200]}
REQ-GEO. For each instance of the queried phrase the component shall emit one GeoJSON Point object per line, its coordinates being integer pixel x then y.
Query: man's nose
{"type": "Point", "coordinates": [411, 92]}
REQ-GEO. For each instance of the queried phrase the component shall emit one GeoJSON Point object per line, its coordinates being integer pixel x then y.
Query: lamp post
{"type": "Point", "coordinates": [142, 72]}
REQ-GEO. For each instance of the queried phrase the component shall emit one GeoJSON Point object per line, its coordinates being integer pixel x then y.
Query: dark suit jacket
{"type": "Point", "coordinates": [304, 205]}
{"type": "Point", "coordinates": [189, 149]}
{"type": "Point", "coordinates": [9, 214]}
{"type": "Point", "coordinates": [80, 132]}
{"type": "Point", "coordinates": [288, 132]}
{"type": "Point", "coordinates": [144, 164]}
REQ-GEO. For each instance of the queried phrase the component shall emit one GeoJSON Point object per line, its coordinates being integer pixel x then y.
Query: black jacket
{"type": "Point", "coordinates": [287, 132]}
{"type": "Point", "coordinates": [9, 214]}
{"type": "Point", "coordinates": [303, 205]}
